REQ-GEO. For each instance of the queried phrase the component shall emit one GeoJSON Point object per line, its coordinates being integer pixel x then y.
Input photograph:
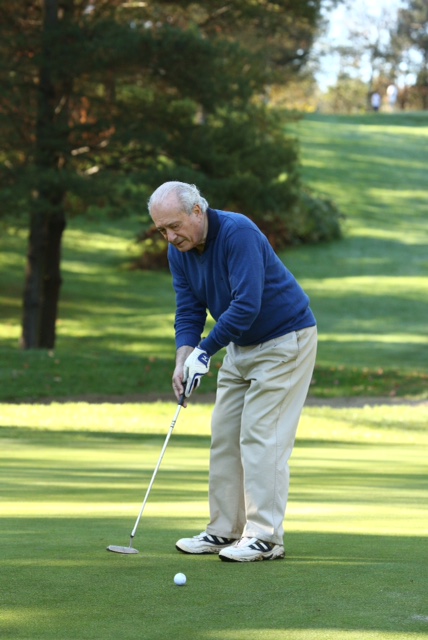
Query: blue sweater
{"type": "Point", "coordinates": [243, 284]}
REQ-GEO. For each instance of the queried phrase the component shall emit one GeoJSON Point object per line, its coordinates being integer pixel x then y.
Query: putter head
{"type": "Point", "coordinates": [124, 550]}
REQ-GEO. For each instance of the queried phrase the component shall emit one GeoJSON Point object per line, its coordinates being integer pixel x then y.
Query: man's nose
{"type": "Point", "coordinates": [170, 236]}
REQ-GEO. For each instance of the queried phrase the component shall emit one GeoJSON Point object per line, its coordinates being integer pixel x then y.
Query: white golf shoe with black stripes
{"type": "Point", "coordinates": [252, 549]}
{"type": "Point", "coordinates": [203, 544]}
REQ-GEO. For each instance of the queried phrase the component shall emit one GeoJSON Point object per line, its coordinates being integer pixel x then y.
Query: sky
{"type": "Point", "coordinates": [340, 20]}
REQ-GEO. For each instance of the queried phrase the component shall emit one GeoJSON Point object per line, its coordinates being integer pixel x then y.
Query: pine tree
{"type": "Point", "coordinates": [103, 100]}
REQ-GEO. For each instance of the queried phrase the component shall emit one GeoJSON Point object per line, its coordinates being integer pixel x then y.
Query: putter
{"type": "Point", "coordinates": [131, 549]}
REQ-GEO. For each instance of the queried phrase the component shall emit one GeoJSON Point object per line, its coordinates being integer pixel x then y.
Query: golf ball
{"type": "Point", "coordinates": [180, 579]}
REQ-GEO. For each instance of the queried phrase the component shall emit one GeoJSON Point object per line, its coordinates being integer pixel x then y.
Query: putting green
{"type": "Point", "coordinates": [71, 484]}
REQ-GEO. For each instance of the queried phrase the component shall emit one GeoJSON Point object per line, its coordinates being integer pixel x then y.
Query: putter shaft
{"type": "Point", "coordinates": [131, 549]}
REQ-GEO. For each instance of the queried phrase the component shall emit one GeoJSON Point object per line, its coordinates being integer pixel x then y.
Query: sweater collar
{"type": "Point", "coordinates": [213, 226]}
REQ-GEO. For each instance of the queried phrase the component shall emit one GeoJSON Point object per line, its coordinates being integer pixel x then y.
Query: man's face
{"type": "Point", "coordinates": [184, 231]}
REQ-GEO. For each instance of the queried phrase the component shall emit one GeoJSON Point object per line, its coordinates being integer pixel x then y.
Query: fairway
{"type": "Point", "coordinates": [73, 475]}
{"type": "Point", "coordinates": [368, 290]}
{"type": "Point", "coordinates": [73, 478]}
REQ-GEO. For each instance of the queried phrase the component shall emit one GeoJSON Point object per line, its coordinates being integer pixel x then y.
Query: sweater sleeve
{"type": "Point", "coordinates": [191, 314]}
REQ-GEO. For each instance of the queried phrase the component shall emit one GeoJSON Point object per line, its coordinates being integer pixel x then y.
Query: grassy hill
{"type": "Point", "coordinates": [368, 291]}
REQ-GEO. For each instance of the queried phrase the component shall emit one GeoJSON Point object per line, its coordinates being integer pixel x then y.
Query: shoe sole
{"type": "Point", "coordinates": [258, 559]}
{"type": "Point", "coordinates": [208, 552]}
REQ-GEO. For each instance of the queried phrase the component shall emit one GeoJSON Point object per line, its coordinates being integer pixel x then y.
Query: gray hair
{"type": "Point", "coordinates": [187, 194]}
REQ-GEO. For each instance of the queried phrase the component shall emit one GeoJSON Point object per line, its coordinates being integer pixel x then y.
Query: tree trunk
{"type": "Point", "coordinates": [51, 283]}
{"type": "Point", "coordinates": [47, 220]}
{"type": "Point", "coordinates": [33, 282]}
{"type": "Point", "coordinates": [43, 281]}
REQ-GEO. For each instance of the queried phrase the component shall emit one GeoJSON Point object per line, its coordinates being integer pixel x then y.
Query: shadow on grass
{"type": "Point", "coordinates": [365, 257]}
{"type": "Point", "coordinates": [333, 471]}
{"type": "Point", "coordinates": [81, 438]}
{"type": "Point", "coordinates": [61, 583]}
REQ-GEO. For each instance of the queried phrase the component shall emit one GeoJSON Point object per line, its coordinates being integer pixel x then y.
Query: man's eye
{"type": "Point", "coordinates": [173, 227]}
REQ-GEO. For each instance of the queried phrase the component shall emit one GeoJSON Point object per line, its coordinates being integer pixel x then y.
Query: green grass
{"type": "Point", "coordinates": [369, 291]}
{"type": "Point", "coordinates": [72, 480]}
{"type": "Point", "coordinates": [73, 475]}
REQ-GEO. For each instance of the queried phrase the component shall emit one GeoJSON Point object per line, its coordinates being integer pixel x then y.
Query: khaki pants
{"type": "Point", "coordinates": [260, 396]}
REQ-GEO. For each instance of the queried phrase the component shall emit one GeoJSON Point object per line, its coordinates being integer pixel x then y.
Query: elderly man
{"type": "Point", "coordinates": [221, 261]}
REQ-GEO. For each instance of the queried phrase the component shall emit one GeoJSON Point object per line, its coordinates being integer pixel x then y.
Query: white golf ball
{"type": "Point", "coordinates": [180, 579]}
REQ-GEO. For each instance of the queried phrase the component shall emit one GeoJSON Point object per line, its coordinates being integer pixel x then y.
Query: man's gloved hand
{"type": "Point", "coordinates": [195, 366]}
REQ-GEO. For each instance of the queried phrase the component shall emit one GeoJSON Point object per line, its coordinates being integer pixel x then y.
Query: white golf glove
{"type": "Point", "coordinates": [195, 366]}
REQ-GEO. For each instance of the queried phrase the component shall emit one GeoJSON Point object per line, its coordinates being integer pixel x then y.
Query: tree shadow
{"type": "Point", "coordinates": [330, 584]}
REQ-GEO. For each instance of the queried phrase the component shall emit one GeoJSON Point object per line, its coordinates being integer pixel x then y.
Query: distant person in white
{"type": "Point", "coordinates": [392, 95]}
{"type": "Point", "coordinates": [376, 101]}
